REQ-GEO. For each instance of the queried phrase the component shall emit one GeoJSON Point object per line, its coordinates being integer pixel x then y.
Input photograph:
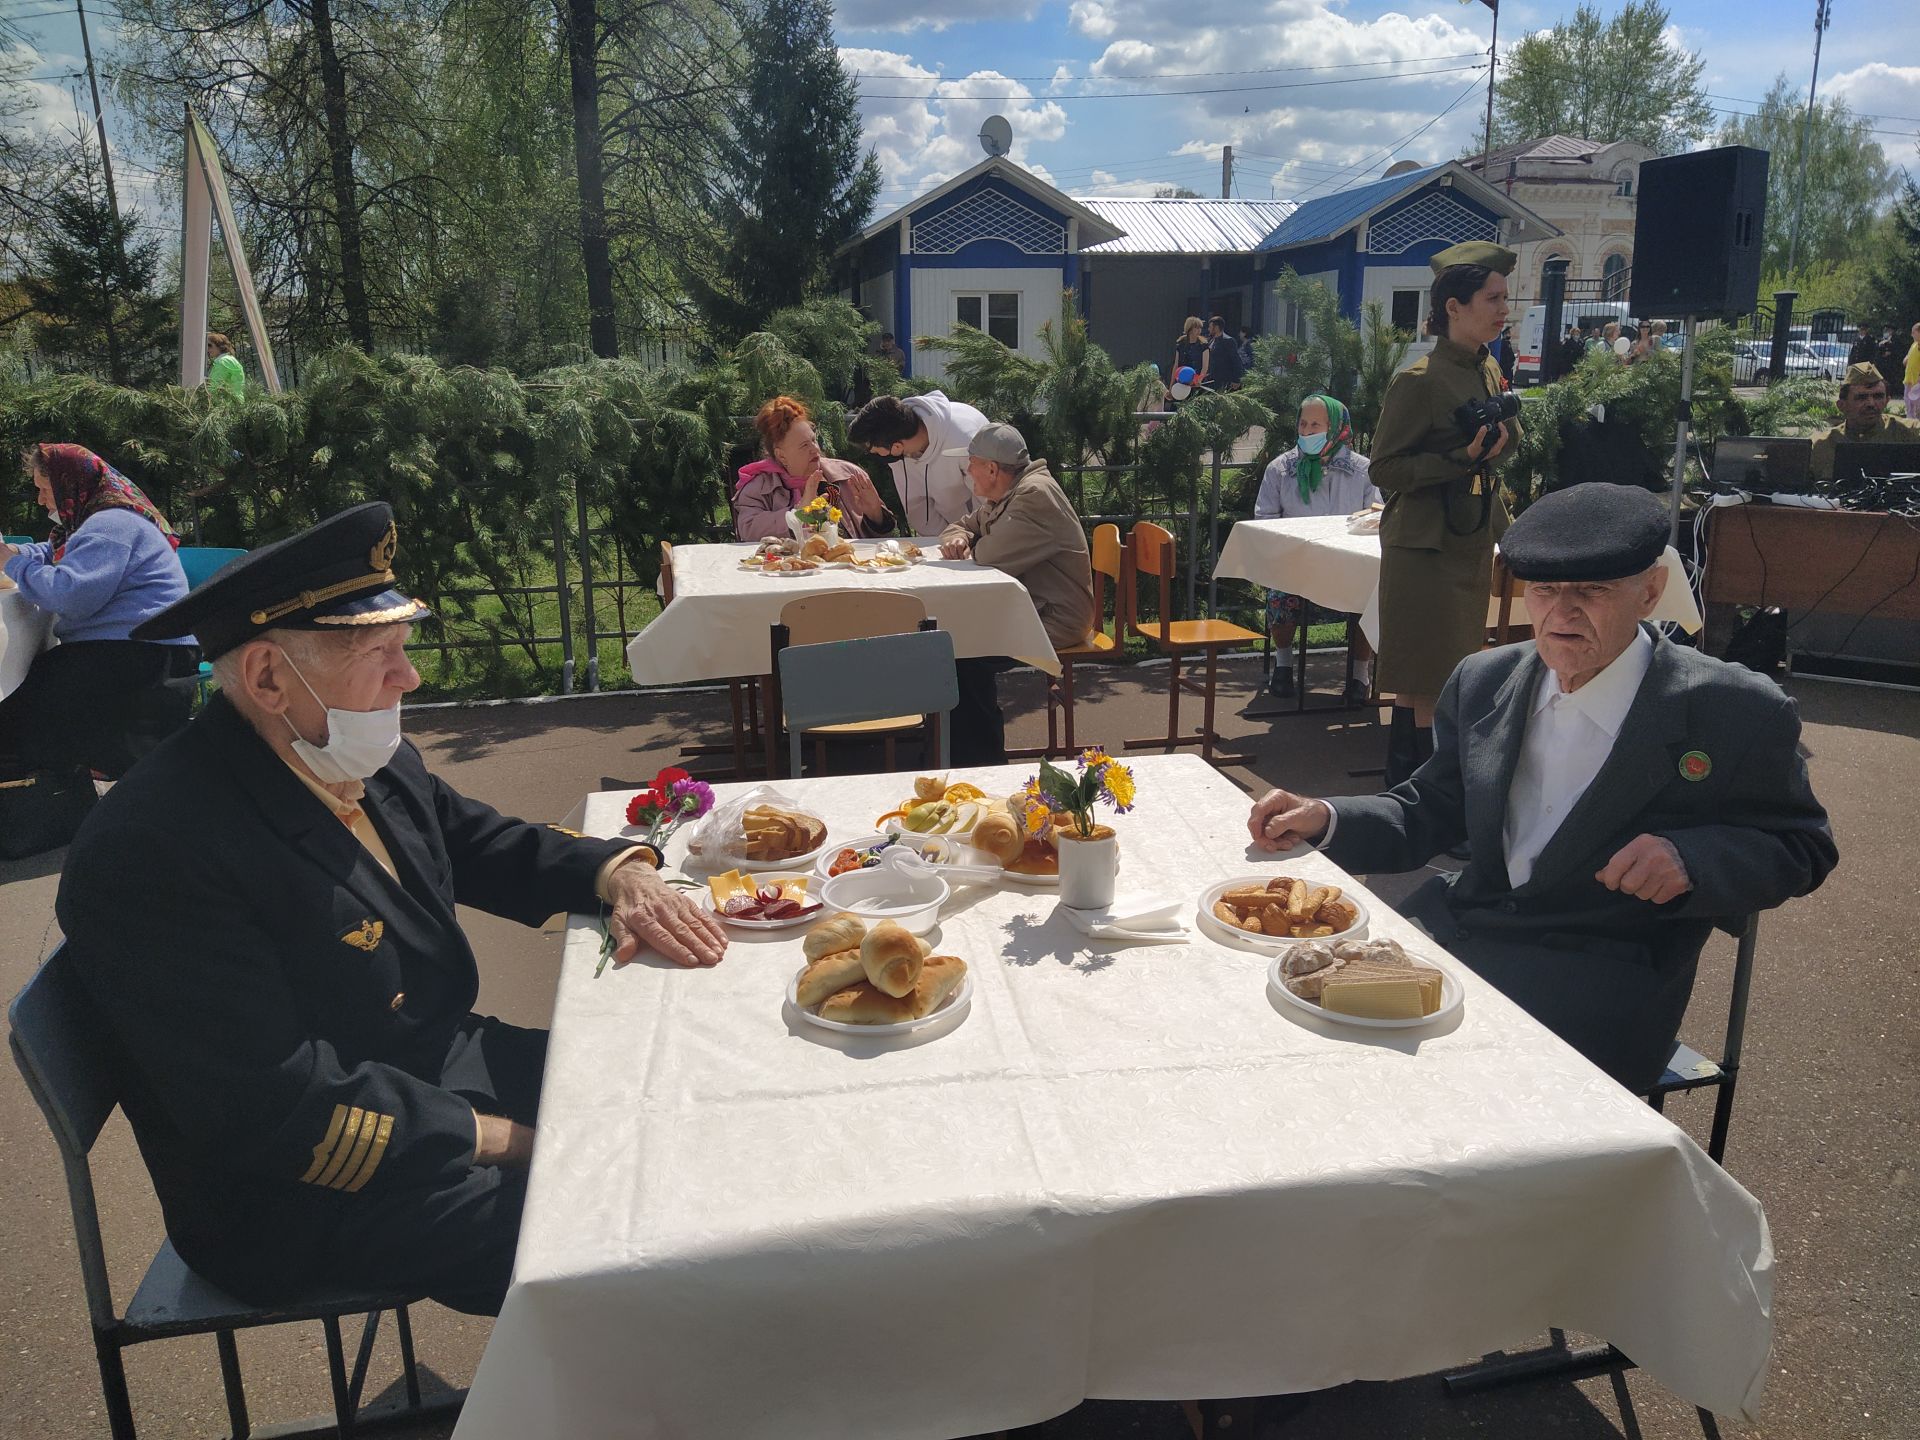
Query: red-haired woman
{"type": "Point", "coordinates": [794, 472]}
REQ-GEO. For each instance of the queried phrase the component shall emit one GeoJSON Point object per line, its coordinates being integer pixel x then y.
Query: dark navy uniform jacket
{"type": "Point", "coordinates": [283, 1006]}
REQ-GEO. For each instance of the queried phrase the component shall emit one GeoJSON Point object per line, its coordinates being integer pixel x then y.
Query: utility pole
{"type": "Point", "coordinates": [1822, 17]}
{"type": "Point", "coordinates": [99, 115]}
{"type": "Point", "coordinates": [1226, 173]}
{"type": "Point", "coordinates": [1493, 60]}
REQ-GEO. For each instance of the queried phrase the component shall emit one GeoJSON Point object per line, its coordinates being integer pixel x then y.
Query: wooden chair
{"type": "Point", "coordinates": [1105, 554]}
{"type": "Point", "coordinates": [846, 615]}
{"type": "Point", "coordinates": [743, 692]}
{"type": "Point", "coordinates": [1150, 552]}
{"type": "Point", "coordinates": [852, 680]}
{"type": "Point", "coordinates": [56, 1040]}
{"type": "Point", "coordinates": [1506, 590]}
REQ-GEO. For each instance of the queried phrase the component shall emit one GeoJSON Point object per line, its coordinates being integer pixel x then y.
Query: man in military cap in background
{"type": "Point", "coordinates": [263, 912]}
{"type": "Point", "coordinates": [1623, 794]}
{"type": "Point", "coordinates": [1863, 418]}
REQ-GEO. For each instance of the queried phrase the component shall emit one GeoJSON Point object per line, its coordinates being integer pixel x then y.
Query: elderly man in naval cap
{"type": "Point", "coordinates": [263, 914]}
{"type": "Point", "coordinates": [1621, 794]}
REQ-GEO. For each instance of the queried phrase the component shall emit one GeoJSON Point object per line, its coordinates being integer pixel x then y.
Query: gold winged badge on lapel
{"type": "Point", "coordinates": [366, 935]}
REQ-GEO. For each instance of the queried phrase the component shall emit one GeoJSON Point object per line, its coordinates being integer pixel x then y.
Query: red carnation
{"type": "Point", "coordinates": [670, 777]}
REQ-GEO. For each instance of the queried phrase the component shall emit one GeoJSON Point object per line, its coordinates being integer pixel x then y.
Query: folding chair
{"type": "Point", "coordinates": [1506, 589]}
{"type": "Point", "coordinates": [1105, 554]}
{"type": "Point", "coordinates": [847, 615]}
{"type": "Point", "coordinates": [202, 561]}
{"type": "Point", "coordinates": [56, 1043]}
{"type": "Point", "coordinates": [1150, 552]}
{"type": "Point", "coordinates": [1687, 1069]}
{"type": "Point", "coordinates": [743, 692]}
{"type": "Point", "coordinates": [863, 679]}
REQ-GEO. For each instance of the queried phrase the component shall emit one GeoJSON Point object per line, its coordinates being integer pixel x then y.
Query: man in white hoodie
{"type": "Point", "coordinates": [924, 438]}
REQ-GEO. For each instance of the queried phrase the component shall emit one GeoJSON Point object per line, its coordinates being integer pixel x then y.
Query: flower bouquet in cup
{"type": "Point", "coordinates": [1089, 851]}
{"type": "Point", "coordinates": [820, 516]}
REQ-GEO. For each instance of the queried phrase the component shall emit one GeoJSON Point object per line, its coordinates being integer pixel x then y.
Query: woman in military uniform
{"type": "Point", "coordinates": [1443, 507]}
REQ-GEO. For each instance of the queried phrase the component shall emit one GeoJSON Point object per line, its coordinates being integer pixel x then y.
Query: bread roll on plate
{"type": "Point", "coordinates": [892, 957]}
{"type": "Point", "coordinates": [828, 974]}
{"type": "Point", "coordinates": [843, 932]}
{"type": "Point", "coordinates": [940, 976]}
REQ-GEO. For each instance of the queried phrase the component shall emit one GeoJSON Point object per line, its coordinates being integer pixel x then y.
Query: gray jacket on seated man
{"type": "Point", "coordinates": [1622, 795]}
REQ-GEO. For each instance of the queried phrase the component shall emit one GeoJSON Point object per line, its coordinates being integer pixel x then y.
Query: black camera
{"type": "Point", "coordinates": [1475, 414]}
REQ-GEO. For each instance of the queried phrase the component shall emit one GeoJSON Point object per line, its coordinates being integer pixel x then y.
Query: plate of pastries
{"type": "Point", "coordinates": [878, 981]}
{"type": "Point", "coordinates": [1373, 984]}
{"type": "Point", "coordinates": [1273, 912]}
{"type": "Point", "coordinates": [888, 555]}
{"type": "Point", "coordinates": [988, 823]}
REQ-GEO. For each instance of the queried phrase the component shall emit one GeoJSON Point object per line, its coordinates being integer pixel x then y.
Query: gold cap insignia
{"type": "Point", "coordinates": [380, 558]}
{"type": "Point", "coordinates": [367, 935]}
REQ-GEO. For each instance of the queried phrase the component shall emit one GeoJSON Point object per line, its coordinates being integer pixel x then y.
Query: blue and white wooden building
{"type": "Point", "coordinates": [995, 247]}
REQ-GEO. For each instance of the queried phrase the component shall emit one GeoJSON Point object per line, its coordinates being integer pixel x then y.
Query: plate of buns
{"type": "Point", "coordinates": [878, 981]}
{"type": "Point", "coordinates": [1372, 984]}
{"type": "Point", "coordinates": [1269, 912]}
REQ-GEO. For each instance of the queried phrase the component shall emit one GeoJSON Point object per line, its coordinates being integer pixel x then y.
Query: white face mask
{"type": "Point", "coordinates": [359, 742]}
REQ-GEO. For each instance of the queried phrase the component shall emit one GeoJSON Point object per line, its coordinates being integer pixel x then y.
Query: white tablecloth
{"type": "Point", "coordinates": [1127, 1173]}
{"type": "Point", "coordinates": [1317, 559]}
{"type": "Point", "coordinates": [25, 630]}
{"type": "Point", "coordinates": [717, 625]}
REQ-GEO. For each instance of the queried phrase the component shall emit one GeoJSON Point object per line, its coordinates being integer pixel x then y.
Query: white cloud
{"type": "Point", "coordinates": [926, 128]}
{"type": "Point", "coordinates": [1882, 90]}
{"type": "Point", "coordinates": [1303, 125]}
{"type": "Point", "coordinates": [925, 14]}
{"type": "Point", "coordinates": [1062, 77]}
{"type": "Point", "coordinates": [1105, 183]}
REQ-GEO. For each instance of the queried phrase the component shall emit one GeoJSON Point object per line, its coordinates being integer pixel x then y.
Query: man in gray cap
{"type": "Point", "coordinates": [1622, 794]}
{"type": "Point", "coordinates": [1023, 525]}
{"type": "Point", "coordinates": [263, 914]}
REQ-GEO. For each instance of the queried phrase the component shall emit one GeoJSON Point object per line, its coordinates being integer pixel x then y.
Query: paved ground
{"type": "Point", "coordinates": [1824, 1132]}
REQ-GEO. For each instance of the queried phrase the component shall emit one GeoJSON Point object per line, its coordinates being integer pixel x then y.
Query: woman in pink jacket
{"type": "Point", "coordinates": [794, 472]}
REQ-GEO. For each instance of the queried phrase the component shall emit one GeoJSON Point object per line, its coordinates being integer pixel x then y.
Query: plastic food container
{"type": "Point", "coordinates": [911, 901]}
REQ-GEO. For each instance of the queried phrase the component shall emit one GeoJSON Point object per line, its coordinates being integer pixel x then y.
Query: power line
{"type": "Point", "coordinates": [1162, 94]}
{"type": "Point", "coordinates": [1859, 114]}
{"type": "Point", "coordinates": [1378, 155]}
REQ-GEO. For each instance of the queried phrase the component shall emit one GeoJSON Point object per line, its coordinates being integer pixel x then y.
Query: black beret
{"type": "Point", "coordinates": [335, 574]}
{"type": "Point", "coordinates": [1592, 531]}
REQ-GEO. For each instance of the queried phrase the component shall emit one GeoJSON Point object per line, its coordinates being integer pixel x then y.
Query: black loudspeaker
{"type": "Point", "coordinates": [1696, 233]}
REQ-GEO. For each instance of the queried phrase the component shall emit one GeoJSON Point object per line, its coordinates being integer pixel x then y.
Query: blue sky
{"type": "Point", "coordinates": [931, 70]}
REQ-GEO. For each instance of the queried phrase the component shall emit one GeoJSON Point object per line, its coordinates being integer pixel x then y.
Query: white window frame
{"type": "Point", "coordinates": [986, 298]}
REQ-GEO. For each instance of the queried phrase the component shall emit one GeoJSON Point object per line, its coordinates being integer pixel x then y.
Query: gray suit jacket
{"type": "Point", "coordinates": [1609, 973]}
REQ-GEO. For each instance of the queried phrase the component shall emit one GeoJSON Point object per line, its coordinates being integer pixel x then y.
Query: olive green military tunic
{"type": "Point", "coordinates": [1890, 430]}
{"type": "Point", "coordinates": [1443, 514]}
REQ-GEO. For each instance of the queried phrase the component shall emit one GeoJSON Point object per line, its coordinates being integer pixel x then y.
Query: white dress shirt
{"type": "Point", "coordinates": [1568, 739]}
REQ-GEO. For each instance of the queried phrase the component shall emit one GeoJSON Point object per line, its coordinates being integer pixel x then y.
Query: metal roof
{"type": "Point", "coordinates": [1185, 227]}
{"type": "Point", "coordinates": [1333, 215]}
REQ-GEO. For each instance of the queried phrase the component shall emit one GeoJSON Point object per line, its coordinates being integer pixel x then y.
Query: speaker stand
{"type": "Point", "coordinates": [1682, 425]}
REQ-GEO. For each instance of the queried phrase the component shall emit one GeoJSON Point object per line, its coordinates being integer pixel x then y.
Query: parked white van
{"type": "Point", "coordinates": [1590, 315]}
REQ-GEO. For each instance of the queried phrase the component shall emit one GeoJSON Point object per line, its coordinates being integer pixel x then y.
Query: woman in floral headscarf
{"type": "Point", "coordinates": [108, 565]}
{"type": "Point", "coordinates": [1320, 475]}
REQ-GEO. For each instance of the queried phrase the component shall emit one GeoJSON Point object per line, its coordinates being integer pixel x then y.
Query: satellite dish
{"type": "Point", "coordinates": [996, 135]}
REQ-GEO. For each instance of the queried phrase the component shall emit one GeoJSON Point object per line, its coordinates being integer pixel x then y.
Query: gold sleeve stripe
{"type": "Point", "coordinates": [368, 1124]}
{"type": "Point", "coordinates": [355, 1118]}
{"type": "Point", "coordinates": [324, 1150]}
{"type": "Point", "coordinates": [372, 1162]}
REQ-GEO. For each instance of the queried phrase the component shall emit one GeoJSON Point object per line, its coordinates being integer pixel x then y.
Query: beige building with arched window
{"type": "Point", "coordinates": [1587, 190]}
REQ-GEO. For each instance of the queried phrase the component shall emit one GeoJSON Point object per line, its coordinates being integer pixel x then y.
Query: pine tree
{"type": "Point", "coordinates": [796, 186]}
{"type": "Point", "coordinates": [92, 289]}
{"type": "Point", "coordinates": [1892, 296]}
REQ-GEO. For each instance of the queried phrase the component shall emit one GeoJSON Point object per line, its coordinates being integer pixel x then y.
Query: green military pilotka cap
{"type": "Point", "coordinates": [1862, 374]}
{"type": "Point", "coordinates": [1475, 252]}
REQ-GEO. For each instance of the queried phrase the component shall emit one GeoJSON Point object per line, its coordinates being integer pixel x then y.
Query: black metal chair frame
{"type": "Point", "coordinates": [72, 1083]}
{"type": "Point", "coordinates": [1688, 1069]}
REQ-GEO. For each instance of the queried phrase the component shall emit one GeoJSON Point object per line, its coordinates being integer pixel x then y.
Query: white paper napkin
{"type": "Point", "coordinates": [1145, 918]}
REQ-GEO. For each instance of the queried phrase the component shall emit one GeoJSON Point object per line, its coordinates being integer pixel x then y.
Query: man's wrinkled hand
{"type": "Point", "coordinates": [647, 913]}
{"type": "Point", "coordinates": [1282, 820]}
{"type": "Point", "coordinates": [1648, 868]}
{"type": "Point", "coordinates": [958, 548]}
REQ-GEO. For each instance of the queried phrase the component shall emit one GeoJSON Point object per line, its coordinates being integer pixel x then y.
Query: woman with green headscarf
{"type": "Point", "coordinates": [1320, 475]}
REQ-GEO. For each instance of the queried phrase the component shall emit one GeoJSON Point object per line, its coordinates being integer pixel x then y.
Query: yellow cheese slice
{"type": "Point", "coordinates": [1375, 999]}
{"type": "Point", "coordinates": [794, 889]}
{"type": "Point", "coordinates": [725, 886]}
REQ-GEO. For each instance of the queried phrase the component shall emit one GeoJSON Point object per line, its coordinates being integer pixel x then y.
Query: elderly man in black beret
{"type": "Point", "coordinates": [263, 913]}
{"type": "Point", "coordinates": [1622, 795]}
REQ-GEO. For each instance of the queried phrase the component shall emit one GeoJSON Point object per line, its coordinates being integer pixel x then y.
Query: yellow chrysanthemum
{"type": "Point", "coordinates": [1119, 782]}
